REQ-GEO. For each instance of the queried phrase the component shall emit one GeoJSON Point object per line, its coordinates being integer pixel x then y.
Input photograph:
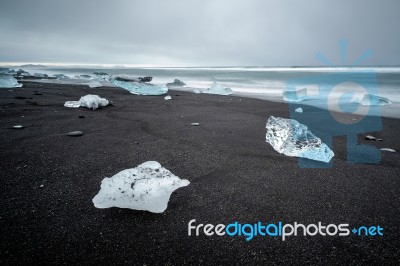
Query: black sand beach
{"type": "Point", "coordinates": [48, 181]}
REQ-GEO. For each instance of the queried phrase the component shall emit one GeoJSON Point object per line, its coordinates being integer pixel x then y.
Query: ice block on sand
{"type": "Point", "coordinates": [94, 84]}
{"type": "Point", "coordinates": [8, 81]}
{"type": "Point", "coordinates": [295, 95]}
{"type": "Point", "coordinates": [218, 89]}
{"type": "Point", "coordinates": [90, 101]}
{"type": "Point", "coordinates": [292, 138]}
{"type": "Point", "coordinates": [371, 99]}
{"type": "Point", "coordinates": [147, 187]}
{"type": "Point", "coordinates": [139, 88]}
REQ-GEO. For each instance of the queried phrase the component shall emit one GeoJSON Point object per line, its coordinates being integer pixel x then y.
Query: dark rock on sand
{"type": "Point", "coordinates": [75, 133]}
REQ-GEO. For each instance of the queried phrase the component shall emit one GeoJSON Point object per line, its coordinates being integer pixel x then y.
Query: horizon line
{"type": "Point", "coordinates": [47, 64]}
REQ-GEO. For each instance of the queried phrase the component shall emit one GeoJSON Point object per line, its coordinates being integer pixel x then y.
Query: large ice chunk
{"type": "Point", "coordinates": [371, 99]}
{"type": "Point", "coordinates": [294, 95]}
{"type": "Point", "coordinates": [140, 88]}
{"type": "Point", "coordinates": [90, 101]}
{"type": "Point", "coordinates": [218, 89]}
{"type": "Point", "coordinates": [292, 138]}
{"type": "Point", "coordinates": [8, 81]}
{"type": "Point", "coordinates": [147, 187]}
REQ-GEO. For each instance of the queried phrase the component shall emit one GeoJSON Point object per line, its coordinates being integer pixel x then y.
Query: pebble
{"type": "Point", "coordinates": [75, 133]}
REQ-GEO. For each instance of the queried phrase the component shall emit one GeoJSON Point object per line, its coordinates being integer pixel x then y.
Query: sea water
{"type": "Point", "coordinates": [265, 83]}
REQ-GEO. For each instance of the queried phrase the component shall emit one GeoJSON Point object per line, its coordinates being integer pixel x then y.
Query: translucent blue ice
{"type": "Point", "coordinates": [292, 138]}
{"type": "Point", "coordinates": [140, 88]}
{"type": "Point", "coordinates": [294, 95]}
{"type": "Point", "coordinates": [218, 89]}
{"type": "Point", "coordinates": [8, 81]}
{"type": "Point", "coordinates": [371, 99]}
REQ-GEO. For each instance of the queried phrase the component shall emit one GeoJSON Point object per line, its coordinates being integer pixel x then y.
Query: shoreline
{"type": "Point", "coordinates": [384, 111]}
{"type": "Point", "coordinates": [235, 176]}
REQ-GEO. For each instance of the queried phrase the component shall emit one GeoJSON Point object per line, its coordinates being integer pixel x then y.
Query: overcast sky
{"type": "Point", "coordinates": [198, 33]}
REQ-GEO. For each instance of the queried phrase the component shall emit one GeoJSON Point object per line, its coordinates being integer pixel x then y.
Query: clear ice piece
{"type": "Point", "coordinates": [294, 95]}
{"type": "Point", "coordinates": [292, 138]}
{"type": "Point", "coordinates": [8, 81]}
{"type": "Point", "coordinates": [371, 99]}
{"type": "Point", "coordinates": [140, 88]}
{"type": "Point", "coordinates": [218, 89]}
{"type": "Point", "coordinates": [94, 84]}
{"type": "Point", "coordinates": [72, 104]}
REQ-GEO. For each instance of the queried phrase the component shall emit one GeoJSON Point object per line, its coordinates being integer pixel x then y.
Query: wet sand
{"type": "Point", "coordinates": [48, 180]}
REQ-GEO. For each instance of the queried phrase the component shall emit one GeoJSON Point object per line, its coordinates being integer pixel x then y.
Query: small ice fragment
{"type": "Point", "coordinates": [292, 138]}
{"type": "Point", "coordinates": [75, 133]}
{"type": "Point", "coordinates": [94, 84]}
{"type": "Point", "coordinates": [196, 91]}
{"type": "Point", "coordinates": [18, 127]}
{"type": "Point", "coordinates": [218, 89]}
{"type": "Point", "coordinates": [147, 187]}
{"type": "Point", "coordinates": [299, 110]}
{"type": "Point", "coordinates": [72, 104]}
{"type": "Point", "coordinates": [369, 137]}
{"type": "Point", "coordinates": [167, 97]}
{"type": "Point", "coordinates": [8, 81]}
{"type": "Point", "coordinates": [294, 95]}
{"type": "Point", "coordinates": [387, 149]}
{"type": "Point", "coordinates": [177, 83]}
{"type": "Point", "coordinates": [41, 186]}
{"type": "Point", "coordinates": [195, 124]}
{"type": "Point", "coordinates": [371, 99]}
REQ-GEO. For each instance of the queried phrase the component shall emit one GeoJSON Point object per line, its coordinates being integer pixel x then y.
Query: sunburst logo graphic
{"type": "Point", "coordinates": [332, 106]}
{"type": "Point", "coordinates": [345, 97]}
{"type": "Point", "coordinates": [343, 46]}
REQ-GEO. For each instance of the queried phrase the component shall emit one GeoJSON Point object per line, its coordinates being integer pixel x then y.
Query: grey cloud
{"type": "Point", "coordinates": [197, 32]}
